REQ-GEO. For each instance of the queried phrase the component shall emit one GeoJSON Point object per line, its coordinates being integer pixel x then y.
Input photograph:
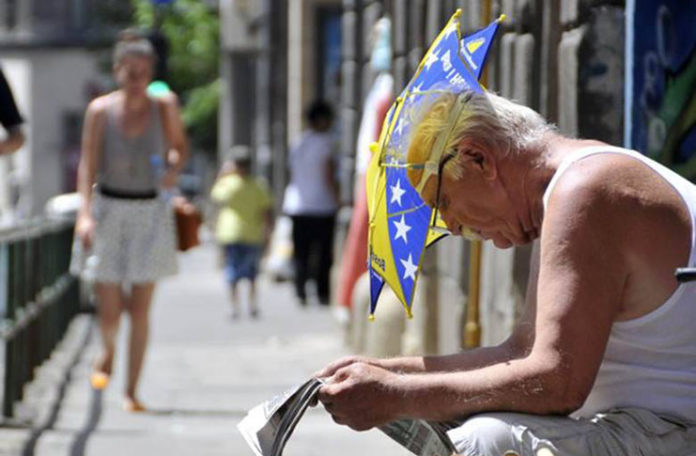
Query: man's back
{"type": "Point", "coordinates": [650, 359]}
{"type": "Point", "coordinates": [311, 161]}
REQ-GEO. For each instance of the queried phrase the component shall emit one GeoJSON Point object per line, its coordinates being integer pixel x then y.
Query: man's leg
{"type": "Point", "coordinates": [301, 239]}
{"type": "Point", "coordinates": [232, 258]}
{"type": "Point", "coordinates": [626, 432]}
{"type": "Point", "coordinates": [325, 237]}
{"type": "Point", "coordinates": [139, 311]}
{"type": "Point", "coordinates": [110, 306]}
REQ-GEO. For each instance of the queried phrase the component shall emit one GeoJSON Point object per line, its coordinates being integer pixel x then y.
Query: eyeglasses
{"type": "Point", "coordinates": [465, 232]}
{"type": "Point", "coordinates": [436, 207]}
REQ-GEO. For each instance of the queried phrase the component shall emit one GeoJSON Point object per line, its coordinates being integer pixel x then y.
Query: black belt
{"type": "Point", "coordinates": [121, 194]}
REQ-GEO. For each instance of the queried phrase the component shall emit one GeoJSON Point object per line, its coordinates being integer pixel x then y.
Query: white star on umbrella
{"type": "Point", "coordinates": [446, 61]}
{"type": "Point", "coordinates": [409, 268]}
{"type": "Point", "coordinates": [397, 192]}
{"type": "Point", "coordinates": [451, 29]}
{"type": "Point", "coordinates": [401, 229]}
{"type": "Point", "coordinates": [432, 58]}
{"type": "Point", "coordinates": [399, 127]}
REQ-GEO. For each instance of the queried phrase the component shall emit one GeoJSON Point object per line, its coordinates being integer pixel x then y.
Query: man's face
{"type": "Point", "coordinates": [133, 74]}
{"type": "Point", "coordinates": [479, 203]}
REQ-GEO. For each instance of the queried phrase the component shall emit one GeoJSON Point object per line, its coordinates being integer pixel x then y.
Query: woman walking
{"type": "Point", "coordinates": [133, 147]}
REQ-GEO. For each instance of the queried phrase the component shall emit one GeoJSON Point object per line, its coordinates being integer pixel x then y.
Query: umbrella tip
{"type": "Point", "coordinates": [371, 317]}
{"type": "Point", "coordinates": [502, 18]}
{"type": "Point", "coordinates": [409, 314]}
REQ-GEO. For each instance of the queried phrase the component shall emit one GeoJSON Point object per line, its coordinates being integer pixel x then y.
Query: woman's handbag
{"type": "Point", "coordinates": [188, 220]}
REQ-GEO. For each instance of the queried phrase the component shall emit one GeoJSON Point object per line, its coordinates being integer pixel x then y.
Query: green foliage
{"type": "Point", "coordinates": [201, 115]}
{"type": "Point", "coordinates": [192, 29]}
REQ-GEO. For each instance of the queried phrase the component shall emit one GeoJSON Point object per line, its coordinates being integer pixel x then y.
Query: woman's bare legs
{"type": "Point", "coordinates": [110, 304]}
{"type": "Point", "coordinates": [139, 311]}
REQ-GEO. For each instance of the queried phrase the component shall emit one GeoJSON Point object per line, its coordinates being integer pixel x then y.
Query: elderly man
{"type": "Point", "coordinates": [603, 359]}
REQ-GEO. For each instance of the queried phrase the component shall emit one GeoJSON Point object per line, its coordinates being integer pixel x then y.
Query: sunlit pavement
{"type": "Point", "coordinates": [202, 373]}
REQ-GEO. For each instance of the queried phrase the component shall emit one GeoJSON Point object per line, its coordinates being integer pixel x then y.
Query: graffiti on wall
{"type": "Point", "coordinates": [663, 75]}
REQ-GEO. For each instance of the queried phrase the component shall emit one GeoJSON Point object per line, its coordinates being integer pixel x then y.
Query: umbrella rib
{"type": "Point", "coordinates": [403, 165]}
{"type": "Point", "coordinates": [405, 211]}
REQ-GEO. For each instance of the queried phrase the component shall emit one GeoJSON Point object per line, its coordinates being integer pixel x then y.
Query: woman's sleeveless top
{"type": "Point", "coordinates": [132, 165]}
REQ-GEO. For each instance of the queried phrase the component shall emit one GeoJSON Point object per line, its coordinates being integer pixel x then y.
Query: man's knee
{"type": "Point", "coordinates": [487, 434]}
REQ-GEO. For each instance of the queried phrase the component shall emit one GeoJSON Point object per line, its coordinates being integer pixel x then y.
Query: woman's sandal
{"type": "Point", "coordinates": [133, 406]}
{"type": "Point", "coordinates": [99, 380]}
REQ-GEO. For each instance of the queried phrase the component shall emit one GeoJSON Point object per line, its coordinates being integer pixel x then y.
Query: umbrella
{"type": "Point", "coordinates": [401, 225]}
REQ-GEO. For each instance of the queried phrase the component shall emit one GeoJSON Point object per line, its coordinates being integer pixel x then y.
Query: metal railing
{"type": "Point", "coordinates": [38, 299]}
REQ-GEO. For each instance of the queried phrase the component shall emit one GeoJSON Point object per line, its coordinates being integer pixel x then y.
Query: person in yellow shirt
{"type": "Point", "coordinates": [244, 223]}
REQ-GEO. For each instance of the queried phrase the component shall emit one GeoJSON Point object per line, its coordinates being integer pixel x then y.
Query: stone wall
{"type": "Point", "coordinates": [561, 58]}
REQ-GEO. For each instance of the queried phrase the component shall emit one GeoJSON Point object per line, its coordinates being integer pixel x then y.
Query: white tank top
{"type": "Point", "coordinates": [650, 361]}
{"type": "Point", "coordinates": [308, 192]}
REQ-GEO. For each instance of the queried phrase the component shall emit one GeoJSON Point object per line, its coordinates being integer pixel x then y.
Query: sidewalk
{"type": "Point", "coordinates": [202, 373]}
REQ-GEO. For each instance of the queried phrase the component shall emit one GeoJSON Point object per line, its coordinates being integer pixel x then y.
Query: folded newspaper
{"type": "Point", "coordinates": [268, 426]}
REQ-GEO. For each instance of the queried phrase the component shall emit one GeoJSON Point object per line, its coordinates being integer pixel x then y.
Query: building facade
{"type": "Point", "coordinates": [276, 58]}
{"type": "Point", "coordinates": [55, 55]}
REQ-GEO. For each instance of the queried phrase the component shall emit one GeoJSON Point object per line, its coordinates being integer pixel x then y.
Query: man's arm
{"type": "Point", "coordinates": [517, 345]}
{"type": "Point", "coordinates": [13, 142]}
{"type": "Point", "coordinates": [10, 119]}
{"type": "Point", "coordinates": [581, 278]}
{"type": "Point", "coordinates": [222, 191]}
{"type": "Point", "coordinates": [330, 176]}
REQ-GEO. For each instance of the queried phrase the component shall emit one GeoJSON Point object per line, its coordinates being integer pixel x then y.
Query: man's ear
{"type": "Point", "coordinates": [478, 158]}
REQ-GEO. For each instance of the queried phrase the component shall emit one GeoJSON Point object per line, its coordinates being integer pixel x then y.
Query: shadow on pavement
{"type": "Point", "coordinates": [95, 411]}
{"type": "Point", "coordinates": [30, 444]}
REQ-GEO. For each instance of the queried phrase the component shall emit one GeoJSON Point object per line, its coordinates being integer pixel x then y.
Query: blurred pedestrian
{"type": "Point", "coordinates": [10, 119]}
{"type": "Point", "coordinates": [244, 223]}
{"type": "Point", "coordinates": [133, 148]}
{"type": "Point", "coordinates": [311, 200]}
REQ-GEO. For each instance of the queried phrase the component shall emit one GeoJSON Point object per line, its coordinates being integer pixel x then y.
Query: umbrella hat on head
{"type": "Point", "coordinates": [415, 140]}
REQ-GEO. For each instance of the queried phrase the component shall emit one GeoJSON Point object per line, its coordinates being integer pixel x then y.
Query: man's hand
{"type": "Point", "coordinates": [331, 369]}
{"type": "Point", "coordinates": [84, 228]}
{"type": "Point", "coordinates": [362, 396]}
{"type": "Point", "coordinates": [14, 141]}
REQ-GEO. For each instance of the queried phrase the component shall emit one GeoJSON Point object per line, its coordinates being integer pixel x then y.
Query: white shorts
{"type": "Point", "coordinates": [134, 242]}
{"type": "Point", "coordinates": [621, 432]}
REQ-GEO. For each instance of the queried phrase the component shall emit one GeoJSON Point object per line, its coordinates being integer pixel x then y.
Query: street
{"type": "Point", "coordinates": [203, 371]}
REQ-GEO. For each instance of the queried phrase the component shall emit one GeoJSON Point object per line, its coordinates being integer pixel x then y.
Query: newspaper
{"type": "Point", "coordinates": [268, 426]}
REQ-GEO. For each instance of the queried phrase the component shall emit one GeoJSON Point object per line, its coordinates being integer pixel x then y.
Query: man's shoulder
{"type": "Point", "coordinates": [585, 181]}
{"type": "Point", "coordinates": [600, 177]}
{"type": "Point", "coordinates": [618, 196]}
{"type": "Point", "coordinates": [599, 193]}
{"type": "Point", "coordinates": [231, 181]}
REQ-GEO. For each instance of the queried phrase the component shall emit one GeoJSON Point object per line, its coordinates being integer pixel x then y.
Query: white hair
{"type": "Point", "coordinates": [488, 120]}
{"type": "Point", "coordinates": [510, 127]}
